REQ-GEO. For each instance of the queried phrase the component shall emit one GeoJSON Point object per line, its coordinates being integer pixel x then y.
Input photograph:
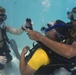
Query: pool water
{"type": "Point", "coordinates": [41, 12]}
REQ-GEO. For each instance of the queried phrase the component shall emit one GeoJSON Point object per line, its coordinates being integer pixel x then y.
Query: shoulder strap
{"type": "Point", "coordinates": [4, 35]}
{"type": "Point", "coordinates": [35, 47]}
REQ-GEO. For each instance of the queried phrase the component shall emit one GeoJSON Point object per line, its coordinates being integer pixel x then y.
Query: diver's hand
{"type": "Point", "coordinates": [3, 60]}
{"type": "Point", "coordinates": [28, 24]}
{"type": "Point", "coordinates": [25, 49]}
{"type": "Point", "coordinates": [34, 35]}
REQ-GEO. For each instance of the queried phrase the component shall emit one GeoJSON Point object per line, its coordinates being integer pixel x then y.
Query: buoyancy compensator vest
{"type": "Point", "coordinates": [57, 61]}
{"type": "Point", "coordinates": [4, 50]}
{"type": "Point", "coordinates": [4, 35]}
{"type": "Point", "coordinates": [11, 42]}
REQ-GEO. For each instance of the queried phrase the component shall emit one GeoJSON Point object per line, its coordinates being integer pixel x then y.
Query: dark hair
{"type": "Point", "coordinates": [63, 30]}
{"type": "Point", "coordinates": [74, 9]}
{"type": "Point", "coordinates": [60, 21]}
{"type": "Point", "coordinates": [2, 9]}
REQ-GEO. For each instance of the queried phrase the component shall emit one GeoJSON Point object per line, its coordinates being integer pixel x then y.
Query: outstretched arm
{"type": "Point", "coordinates": [17, 31]}
{"type": "Point", "coordinates": [24, 68]}
{"type": "Point", "coordinates": [65, 50]}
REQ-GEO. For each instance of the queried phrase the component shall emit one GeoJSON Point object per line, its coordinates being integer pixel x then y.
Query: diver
{"type": "Point", "coordinates": [5, 56]}
{"type": "Point", "coordinates": [64, 50]}
{"type": "Point", "coordinates": [72, 28]}
{"type": "Point", "coordinates": [42, 60]}
{"type": "Point", "coordinates": [72, 23]}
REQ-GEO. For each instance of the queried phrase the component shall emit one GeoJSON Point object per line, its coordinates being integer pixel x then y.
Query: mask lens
{"type": "Point", "coordinates": [70, 14]}
{"type": "Point", "coordinates": [74, 16]}
{"type": "Point", "coordinates": [3, 17]}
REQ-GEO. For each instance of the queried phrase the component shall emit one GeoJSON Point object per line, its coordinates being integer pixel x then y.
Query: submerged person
{"type": "Point", "coordinates": [5, 55]}
{"type": "Point", "coordinates": [72, 25]}
{"type": "Point", "coordinates": [66, 49]}
{"type": "Point", "coordinates": [42, 60]}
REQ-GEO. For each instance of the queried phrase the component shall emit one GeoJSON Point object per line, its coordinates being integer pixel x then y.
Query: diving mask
{"type": "Point", "coordinates": [57, 28]}
{"type": "Point", "coordinates": [54, 26]}
{"type": "Point", "coordinates": [3, 17]}
{"type": "Point", "coordinates": [72, 16]}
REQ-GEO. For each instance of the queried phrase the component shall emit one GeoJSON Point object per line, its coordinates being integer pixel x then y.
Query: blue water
{"type": "Point", "coordinates": [40, 11]}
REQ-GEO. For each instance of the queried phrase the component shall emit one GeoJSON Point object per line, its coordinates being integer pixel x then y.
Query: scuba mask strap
{"type": "Point", "coordinates": [53, 27]}
{"type": "Point", "coordinates": [60, 36]}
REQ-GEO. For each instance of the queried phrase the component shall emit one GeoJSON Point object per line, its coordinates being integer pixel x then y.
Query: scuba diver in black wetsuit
{"type": "Point", "coordinates": [5, 56]}
{"type": "Point", "coordinates": [61, 53]}
{"type": "Point", "coordinates": [40, 61]}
